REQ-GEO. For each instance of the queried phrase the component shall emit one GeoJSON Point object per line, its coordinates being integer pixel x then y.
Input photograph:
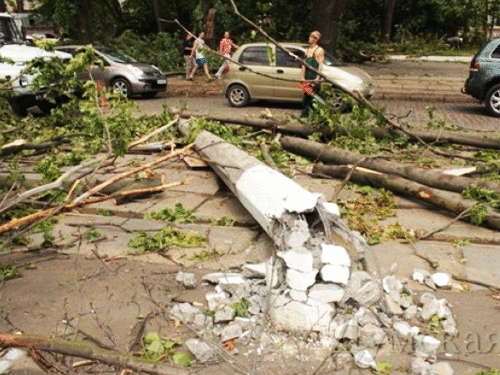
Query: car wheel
{"type": "Point", "coordinates": [238, 96]}
{"type": "Point", "coordinates": [121, 85]}
{"type": "Point", "coordinates": [46, 106]}
{"type": "Point", "coordinates": [493, 100]}
{"type": "Point", "coordinates": [334, 99]}
{"type": "Point", "coordinates": [18, 107]}
{"type": "Point", "coordinates": [149, 95]}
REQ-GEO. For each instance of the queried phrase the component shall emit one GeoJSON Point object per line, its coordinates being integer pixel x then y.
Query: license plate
{"type": "Point", "coordinates": [162, 81]}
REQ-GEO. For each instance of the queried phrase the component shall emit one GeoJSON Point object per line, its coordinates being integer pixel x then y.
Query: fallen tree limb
{"type": "Point", "coordinates": [327, 154]}
{"type": "Point", "coordinates": [88, 351]}
{"type": "Point", "coordinates": [449, 201]}
{"type": "Point", "coordinates": [131, 172]}
{"type": "Point", "coordinates": [442, 137]}
{"type": "Point", "coordinates": [130, 194]}
{"type": "Point", "coordinates": [304, 130]}
{"type": "Point", "coordinates": [120, 195]}
{"type": "Point", "coordinates": [57, 184]}
{"type": "Point", "coordinates": [41, 215]}
{"type": "Point", "coordinates": [153, 133]}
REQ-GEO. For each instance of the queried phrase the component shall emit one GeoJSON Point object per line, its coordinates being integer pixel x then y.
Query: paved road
{"type": "Point", "coordinates": [406, 88]}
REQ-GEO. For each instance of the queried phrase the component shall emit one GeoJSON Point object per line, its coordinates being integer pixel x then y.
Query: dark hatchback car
{"type": "Point", "coordinates": [484, 77]}
{"type": "Point", "coordinates": [122, 73]}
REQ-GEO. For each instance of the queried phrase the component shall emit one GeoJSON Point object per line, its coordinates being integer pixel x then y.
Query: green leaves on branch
{"type": "Point", "coordinates": [164, 239]}
{"type": "Point", "coordinates": [158, 349]}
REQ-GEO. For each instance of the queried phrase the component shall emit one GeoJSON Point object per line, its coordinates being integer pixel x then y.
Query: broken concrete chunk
{"type": "Point", "coordinates": [449, 326]}
{"type": "Point", "coordinates": [342, 360]}
{"type": "Point", "coordinates": [231, 331]}
{"type": "Point", "coordinates": [442, 280]}
{"type": "Point", "coordinates": [300, 280]}
{"type": "Point", "coordinates": [326, 293]}
{"type": "Point", "coordinates": [365, 317]}
{"type": "Point", "coordinates": [430, 306]}
{"type": "Point", "coordinates": [256, 304]}
{"type": "Point", "coordinates": [430, 283]}
{"type": "Point", "coordinates": [335, 274]}
{"type": "Point", "coordinates": [372, 336]}
{"type": "Point", "coordinates": [298, 201]}
{"type": "Point", "coordinates": [363, 289]}
{"type": "Point", "coordinates": [216, 300]}
{"type": "Point", "coordinates": [410, 312]}
{"type": "Point", "coordinates": [299, 259]}
{"type": "Point", "coordinates": [420, 275]}
{"type": "Point", "coordinates": [298, 235]}
{"type": "Point", "coordinates": [403, 329]}
{"type": "Point", "coordinates": [364, 359]}
{"type": "Point", "coordinates": [225, 315]}
{"type": "Point", "coordinates": [297, 317]}
{"type": "Point", "coordinates": [185, 312]}
{"type": "Point", "coordinates": [187, 280]}
{"type": "Point", "coordinates": [426, 344]}
{"type": "Point", "coordinates": [405, 300]}
{"type": "Point", "coordinates": [201, 350]}
{"type": "Point", "coordinates": [347, 330]}
{"type": "Point", "coordinates": [441, 368]}
{"type": "Point", "coordinates": [393, 287]}
{"type": "Point", "coordinates": [336, 255]}
{"type": "Point", "coordinates": [202, 321]}
{"type": "Point", "coordinates": [275, 272]}
{"type": "Point", "coordinates": [297, 295]}
{"type": "Point", "coordinates": [392, 308]}
{"type": "Point", "coordinates": [419, 366]}
{"type": "Point", "coordinates": [331, 208]}
{"type": "Point", "coordinates": [254, 270]}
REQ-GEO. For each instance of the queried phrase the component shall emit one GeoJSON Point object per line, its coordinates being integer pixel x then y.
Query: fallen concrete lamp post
{"type": "Point", "coordinates": [303, 226]}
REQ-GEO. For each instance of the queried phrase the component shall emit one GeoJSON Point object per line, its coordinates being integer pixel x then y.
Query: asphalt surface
{"type": "Point", "coordinates": [408, 89]}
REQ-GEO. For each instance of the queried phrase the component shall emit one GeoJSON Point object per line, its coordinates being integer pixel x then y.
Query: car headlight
{"type": "Point", "coordinates": [23, 81]}
{"type": "Point", "coordinates": [137, 71]}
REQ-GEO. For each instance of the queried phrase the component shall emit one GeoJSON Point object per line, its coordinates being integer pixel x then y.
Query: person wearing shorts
{"type": "Point", "coordinates": [198, 54]}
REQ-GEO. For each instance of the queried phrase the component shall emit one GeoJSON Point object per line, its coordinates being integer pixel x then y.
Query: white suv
{"type": "Point", "coordinates": [14, 56]}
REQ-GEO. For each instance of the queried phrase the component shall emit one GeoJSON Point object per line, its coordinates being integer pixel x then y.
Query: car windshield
{"type": "Point", "coordinates": [116, 56]}
{"type": "Point", "coordinates": [332, 61]}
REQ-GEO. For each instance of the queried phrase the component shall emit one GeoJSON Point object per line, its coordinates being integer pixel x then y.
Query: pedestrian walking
{"type": "Point", "coordinates": [187, 48]}
{"type": "Point", "coordinates": [315, 57]}
{"type": "Point", "coordinates": [225, 47]}
{"type": "Point", "coordinates": [199, 54]}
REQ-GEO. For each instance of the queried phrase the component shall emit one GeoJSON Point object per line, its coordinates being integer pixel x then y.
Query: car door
{"type": "Point", "coordinates": [258, 59]}
{"type": "Point", "coordinates": [289, 70]}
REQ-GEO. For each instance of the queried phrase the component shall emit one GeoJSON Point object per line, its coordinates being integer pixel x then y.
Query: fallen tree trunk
{"type": "Point", "coordinates": [451, 202]}
{"type": "Point", "coordinates": [442, 137]}
{"type": "Point", "coordinates": [329, 155]}
{"type": "Point", "coordinates": [84, 350]}
{"type": "Point", "coordinates": [304, 130]}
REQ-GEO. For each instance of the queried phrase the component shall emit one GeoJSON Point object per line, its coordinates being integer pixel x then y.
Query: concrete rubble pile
{"type": "Point", "coordinates": [311, 285]}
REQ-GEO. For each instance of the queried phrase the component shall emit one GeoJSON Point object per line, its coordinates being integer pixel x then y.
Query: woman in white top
{"type": "Point", "coordinates": [198, 47]}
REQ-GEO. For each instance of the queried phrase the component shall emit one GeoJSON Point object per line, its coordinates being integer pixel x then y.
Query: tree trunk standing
{"type": "Point", "coordinates": [390, 5]}
{"type": "Point", "coordinates": [82, 15]}
{"type": "Point", "coordinates": [117, 11]}
{"type": "Point", "coordinates": [3, 7]}
{"type": "Point", "coordinates": [20, 6]}
{"type": "Point", "coordinates": [157, 16]}
{"type": "Point", "coordinates": [326, 18]}
{"type": "Point", "coordinates": [210, 38]}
